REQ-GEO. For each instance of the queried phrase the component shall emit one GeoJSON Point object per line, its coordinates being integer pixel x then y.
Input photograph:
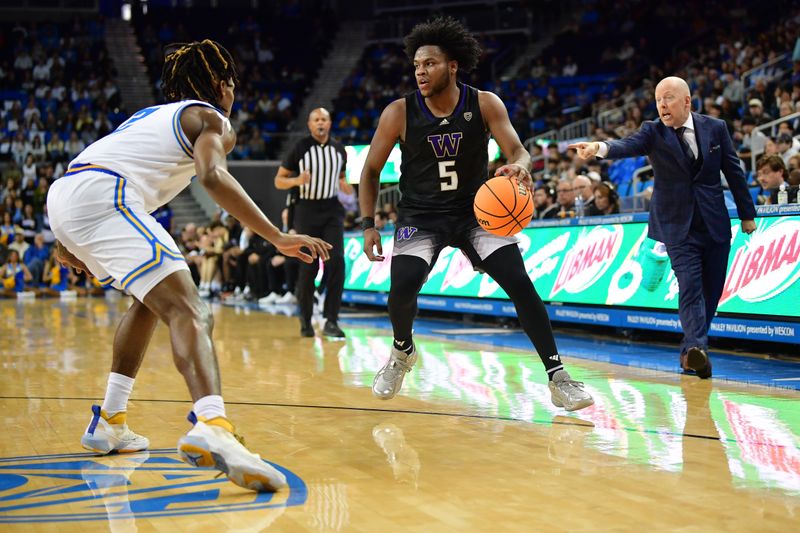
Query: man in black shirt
{"type": "Point", "coordinates": [316, 166]}
{"type": "Point", "coordinates": [544, 199]}
{"type": "Point", "coordinates": [443, 130]}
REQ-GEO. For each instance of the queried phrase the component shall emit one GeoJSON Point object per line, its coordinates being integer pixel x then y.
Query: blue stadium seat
{"type": "Point", "coordinates": [729, 202]}
{"type": "Point", "coordinates": [754, 193]}
{"type": "Point", "coordinates": [620, 172]}
{"type": "Point", "coordinates": [13, 95]}
{"type": "Point", "coordinates": [270, 126]}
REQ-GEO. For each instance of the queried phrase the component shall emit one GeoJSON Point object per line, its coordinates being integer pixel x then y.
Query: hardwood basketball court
{"type": "Point", "coordinates": [471, 443]}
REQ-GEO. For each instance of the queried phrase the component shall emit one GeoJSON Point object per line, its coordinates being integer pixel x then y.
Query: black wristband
{"type": "Point", "coordinates": [367, 223]}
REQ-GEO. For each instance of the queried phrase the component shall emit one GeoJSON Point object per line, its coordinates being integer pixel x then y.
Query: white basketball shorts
{"type": "Point", "coordinates": [100, 218]}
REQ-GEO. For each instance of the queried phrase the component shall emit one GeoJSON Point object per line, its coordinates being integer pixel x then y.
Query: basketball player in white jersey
{"type": "Point", "coordinates": [99, 211]}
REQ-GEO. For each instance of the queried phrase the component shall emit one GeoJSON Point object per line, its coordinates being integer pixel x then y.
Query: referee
{"type": "Point", "coordinates": [316, 165]}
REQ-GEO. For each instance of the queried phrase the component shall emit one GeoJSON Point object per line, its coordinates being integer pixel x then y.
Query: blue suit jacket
{"type": "Point", "coordinates": [676, 188]}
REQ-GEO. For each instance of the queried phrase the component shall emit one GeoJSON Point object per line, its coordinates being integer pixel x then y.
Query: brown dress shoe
{"type": "Point", "coordinates": [696, 360]}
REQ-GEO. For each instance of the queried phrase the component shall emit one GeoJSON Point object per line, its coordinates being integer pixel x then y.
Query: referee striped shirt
{"type": "Point", "coordinates": [325, 162]}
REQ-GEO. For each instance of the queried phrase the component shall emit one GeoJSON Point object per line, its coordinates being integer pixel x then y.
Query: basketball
{"type": "Point", "coordinates": [503, 206]}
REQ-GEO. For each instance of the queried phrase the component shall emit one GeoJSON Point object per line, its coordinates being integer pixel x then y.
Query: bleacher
{"type": "Point", "coordinates": [57, 80]}
{"type": "Point", "coordinates": [753, 50]}
{"type": "Point", "coordinates": [384, 73]}
{"type": "Point", "coordinates": [276, 71]}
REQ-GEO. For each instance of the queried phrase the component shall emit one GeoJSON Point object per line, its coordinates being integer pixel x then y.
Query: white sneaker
{"type": "Point", "coordinates": [212, 444]}
{"type": "Point", "coordinates": [287, 298]}
{"type": "Point", "coordinates": [204, 293]}
{"type": "Point", "coordinates": [567, 393]}
{"type": "Point", "coordinates": [269, 299]}
{"type": "Point", "coordinates": [389, 379]}
{"type": "Point", "coordinates": [108, 434]}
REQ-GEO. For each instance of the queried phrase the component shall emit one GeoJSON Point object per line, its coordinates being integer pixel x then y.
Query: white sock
{"type": "Point", "coordinates": [209, 407]}
{"type": "Point", "coordinates": [216, 285]}
{"type": "Point", "coordinates": [117, 393]}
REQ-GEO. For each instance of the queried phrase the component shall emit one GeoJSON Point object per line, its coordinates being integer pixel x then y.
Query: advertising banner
{"type": "Point", "coordinates": [614, 265]}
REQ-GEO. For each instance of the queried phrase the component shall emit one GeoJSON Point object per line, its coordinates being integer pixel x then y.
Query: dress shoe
{"type": "Point", "coordinates": [332, 329]}
{"type": "Point", "coordinates": [696, 360]}
{"type": "Point", "coordinates": [306, 329]}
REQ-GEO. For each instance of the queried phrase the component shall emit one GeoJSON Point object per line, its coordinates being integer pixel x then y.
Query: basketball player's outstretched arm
{"type": "Point", "coordinates": [213, 142]}
{"type": "Point", "coordinates": [391, 128]}
{"type": "Point", "coordinates": [495, 116]}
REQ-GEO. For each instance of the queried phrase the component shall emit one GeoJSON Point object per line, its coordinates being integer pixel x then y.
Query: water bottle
{"type": "Point", "coordinates": [579, 206]}
{"type": "Point", "coordinates": [783, 196]}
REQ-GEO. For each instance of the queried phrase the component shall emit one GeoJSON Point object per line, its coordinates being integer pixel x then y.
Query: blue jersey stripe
{"type": "Point", "coordinates": [183, 142]}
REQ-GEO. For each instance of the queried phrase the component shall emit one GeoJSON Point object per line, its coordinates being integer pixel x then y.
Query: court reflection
{"type": "Point", "coordinates": [128, 491]}
{"type": "Point", "coordinates": [108, 479]}
{"type": "Point", "coordinates": [750, 434]}
{"type": "Point", "coordinates": [401, 456]}
{"type": "Point", "coordinates": [327, 506]}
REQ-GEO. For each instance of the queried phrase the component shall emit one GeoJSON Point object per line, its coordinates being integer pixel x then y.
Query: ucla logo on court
{"type": "Point", "coordinates": [84, 487]}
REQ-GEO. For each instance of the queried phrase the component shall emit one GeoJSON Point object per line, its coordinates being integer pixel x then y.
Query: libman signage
{"type": "Point", "coordinates": [615, 265]}
{"type": "Point", "coordinates": [767, 266]}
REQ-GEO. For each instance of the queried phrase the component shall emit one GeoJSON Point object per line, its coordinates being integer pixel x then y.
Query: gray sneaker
{"type": "Point", "coordinates": [567, 393]}
{"type": "Point", "coordinates": [389, 379]}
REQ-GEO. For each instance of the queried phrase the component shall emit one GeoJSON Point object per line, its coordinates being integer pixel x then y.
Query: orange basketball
{"type": "Point", "coordinates": [503, 206]}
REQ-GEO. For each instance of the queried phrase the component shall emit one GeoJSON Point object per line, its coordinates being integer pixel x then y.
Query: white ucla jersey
{"type": "Point", "coordinates": [150, 151]}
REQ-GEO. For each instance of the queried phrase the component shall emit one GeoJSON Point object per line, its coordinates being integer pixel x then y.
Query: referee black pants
{"type": "Point", "coordinates": [324, 219]}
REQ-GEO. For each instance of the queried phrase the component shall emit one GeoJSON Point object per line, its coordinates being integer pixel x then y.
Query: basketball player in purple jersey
{"type": "Point", "coordinates": [443, 130]}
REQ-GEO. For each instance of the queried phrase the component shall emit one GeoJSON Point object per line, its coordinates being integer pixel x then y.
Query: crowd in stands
{"type": "Point", "coordinates": [715, 79]}
{"type": "Point", "coordinates": [277, 54]}
{"type": "Point", "coordinates": [611, 58]}
{"type": "Point", "coordinates": [58, 91]}
{"type": "Point", "coordinates": [384, 74]}
{"type": "Point", "coordinates": [58, 94]}
{"type": "Point", "coordinates": [226, 258]}
{"type": "Point", "coordinates": [619, 49]}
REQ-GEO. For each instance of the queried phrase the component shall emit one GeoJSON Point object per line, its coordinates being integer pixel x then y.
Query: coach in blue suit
{"type": "Point", "coordinates": [687, 212]}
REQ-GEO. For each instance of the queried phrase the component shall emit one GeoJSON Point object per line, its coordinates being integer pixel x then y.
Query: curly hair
{"type": "Point", "coordinates": [192, 70]}
{"type": "Point", "coordinates": [448, 34]}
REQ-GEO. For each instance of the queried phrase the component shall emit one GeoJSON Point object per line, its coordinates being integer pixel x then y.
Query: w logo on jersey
{"type": "Point", "coordinates": [445, 144]}
{"type": "Point", "coordinates": [405, 233]}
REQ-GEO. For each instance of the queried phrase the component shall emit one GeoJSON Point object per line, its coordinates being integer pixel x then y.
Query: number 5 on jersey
{"type": "Point", "coordinates": [448, 175]}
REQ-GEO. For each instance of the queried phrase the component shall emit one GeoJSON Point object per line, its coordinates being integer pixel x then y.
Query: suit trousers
{"type": "Point", "coordinates": [700, 265]}
{"type": "Point", "coordinates": [324, 219]}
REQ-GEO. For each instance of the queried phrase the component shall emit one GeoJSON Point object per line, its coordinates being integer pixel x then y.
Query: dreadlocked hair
{"type": "Point", "coordinates": [193, 70]}
{"type": "Point", "coordinates": [448, 34]}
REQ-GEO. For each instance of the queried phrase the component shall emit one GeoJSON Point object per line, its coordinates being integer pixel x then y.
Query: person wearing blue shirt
{"type": "Point", "coordinates": [36, 257]}
{"type": "Point", "coordinates": [163, 216]}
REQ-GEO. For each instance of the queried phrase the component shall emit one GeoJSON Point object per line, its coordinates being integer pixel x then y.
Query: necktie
{"type": "Point", "coordinates": [687, 150]}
